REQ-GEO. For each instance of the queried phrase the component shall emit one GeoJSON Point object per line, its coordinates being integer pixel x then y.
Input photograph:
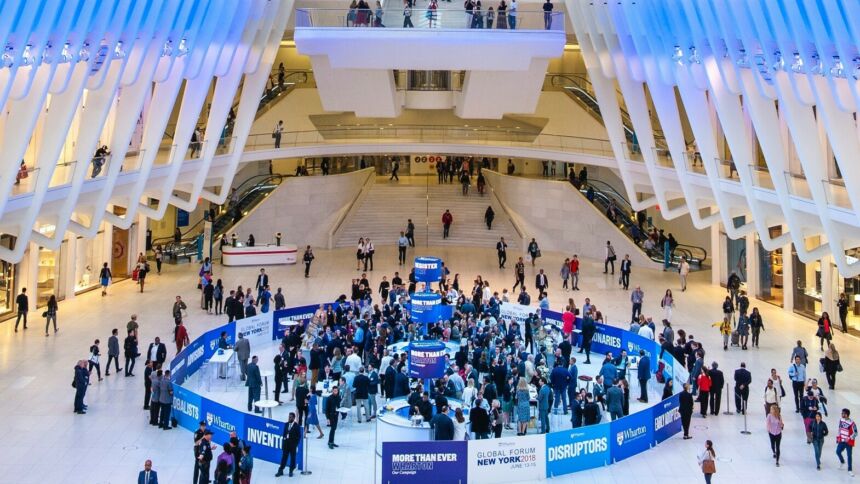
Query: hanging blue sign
{"type": "Point", "coordinates": [426, 307]}
{"type": "Point", "coordinates": [428, 269]}
{"type": "Point", "coordinates": [577, 449]}
{"type": "Point", "coordinates": [426, 359]}
{"type": "Point", "coordinates": [421, 462]}
{"type": "Point", "coordinates": [631, 435]}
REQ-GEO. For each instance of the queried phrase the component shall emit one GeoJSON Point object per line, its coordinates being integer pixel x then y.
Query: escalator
{"type": "Point", "coordinates": [603, 196]}
{"type": "Point", "coordinates": [248, 195]}
{"type": "Point", "coordinates": [579, 88]}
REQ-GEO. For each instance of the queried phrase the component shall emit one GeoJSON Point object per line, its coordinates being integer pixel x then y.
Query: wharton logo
{"type": "Point", "coordinates": [629, 435]}
{"type": "Point", "coordinates": [220, 423]}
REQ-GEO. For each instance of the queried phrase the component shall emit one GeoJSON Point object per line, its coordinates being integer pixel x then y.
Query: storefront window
{"type": "Point", "coordinates": [48, 277]}
{"type": "Point", "coordinates": [807, 287]}
{"type": "Point", "coordinates": [88, 262]}
{"type": "Point", "coordinates": [851, 287]}
{"type": "Point", "coordinates": [7, 277]}
{"type": "Point", "coordinates": [771, 272]}
{"type": "Point", "coordinates": [736, 253]}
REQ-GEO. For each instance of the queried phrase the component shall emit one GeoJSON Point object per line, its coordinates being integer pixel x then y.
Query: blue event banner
{"type": "Point", "coordinates": [577, 449]}
{"type": "Point", "coordinates": [266, 437]}
{"type": "Point", "coordinates": [631, 435]}
{"type": "Point", "coordinates": [299, 313]}
{"type": "Point", "coordinates": [667, 419]}
{"type": "Point", "coordinates": [425, 307]}
{"type": "Point", "coordinates": [607, 339]}
{"type": "Point", "coordinates": [440, 462]}
{"type": "Point", "coordinates": [426, 359]}
{"type": "Point", "coordinates": [222, 420]}
{"type": "Point", "coordinates": [186, 407]}
{"type": "Point", "coordinates": [632, 342]}
{"type": "Point", "coordinates": [428, 269]}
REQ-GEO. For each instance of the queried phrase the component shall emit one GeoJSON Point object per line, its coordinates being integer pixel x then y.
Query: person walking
{"type": "Point", "coordinates": [534, 251]}
{"type": "Point", "coordinates": [22, 303]}
{"type": "Point", "coordinates": [771, 395]}
{"type": "Point", "coordinates": [797, 375]}
{"type": "Point", "coordinates": [564, 273]}
{"type": "Point", "coordinates": [94, 360]}
{"type": "Point", "coordinates": [845, 436]}
{"type": "Point", "coordinates": [574, 273]}
{"type": "Point", "coordinates": [685, 409]}
{"type": "Point", "coordinates": [130, 349]}
{"type": "Point", "coordinates": [842, 305]}
{"type": "Point", "coordinates": [289, 445]}
{"type": "Point", "coordinates": [667, 303]}
{"type": "Point", "coordinates": [180, 336]}
{"type": "Point", "coordinates": [410, 232]}
{"type": "Point", "coordinates": [407, 16]}
{"type": "Point", "coordinates": [707, 461]}
{"type": "Point", "coordinates": [609, 259]}
{"type": "Point", "coordinates": [51, 313]}
{"type": "Point", "coordinates": [683, 270]}
{"type": "Point", "coordinates": [756, 326]}
{"type": "Point", "coordinates": [243, 353]}
{"type": "Point", "coordinates": [254, 383]}
{"type": "Point", "coordinates": [519, 274]}
{"type": "Point", "coordinates": [831, 365]}
{"type": "Point", "coordinates": [818, 430]}
{"type": "Point", "coordinates": [332, 404]}
{"type": "Point", "coordinates": [369, 250]}
{"type": "Point", "coordinates": [105, 278]}
{"type": "Point", "coordinates": [636, 299]}
{"type": "Point", "coordinates": [402, 244]}
{"type": "Point", "coordinates": [775, 426]}
{"type": "Point", "coordinates": [307, 258]}
{"type": "Point", "coordinates": [502, 252]}
{"type": "Point", "coordinates": [447, 220]}
{"type": "Point", "coordinates": [825, 329]}
{"type": "Point", "coordinates": [625, 273]}
{"type": "Point", "coordinates": [113, 351]}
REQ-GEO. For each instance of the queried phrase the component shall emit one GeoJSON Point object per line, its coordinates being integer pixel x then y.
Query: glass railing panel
{"type": "Point", "coordinates": [797, 185]}
{"type": "Point", "coordinates": [726, 169]}
{"type": "Point", "coordinates": [428, 18]}
{"type": "Point", "coordinates": [836, 194]}
{"type": "Point", "coordinates": [760, 177]}
{"type": "Point", "coordinates": [63, 173]}
{"type": "Point", "coordinates": [663, 157]}
{"type": "Point", "coordinates": [694, 162]}
{"type": "Point", "coordinates": [25, 181]}
{"type": "Point", "coordinates": [633, 152]}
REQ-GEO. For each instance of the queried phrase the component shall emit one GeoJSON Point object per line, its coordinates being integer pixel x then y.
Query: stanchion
{"type": "Point", "coordinates": [305, 471]}
{"type": "Point", "coordinates": [728, 404]}
{"type": "Point", "coordinates": [744, 407]}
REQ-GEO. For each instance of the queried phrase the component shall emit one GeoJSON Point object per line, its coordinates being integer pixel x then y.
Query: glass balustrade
{"type": "Point", "coordinates": [663, 157]}
{"type": "Point", "coordinates": [836, 194]}
{"type": "Point", "coordinates": [726, 169]}
{"type": "Point", "coordinates": [425, 17]}
{"type": "Point", "coordinates": [797, 185]}
{"type": "Point", "coordinates": [760, 177]}
{"type": "Point", "coordinates": [694, 162]}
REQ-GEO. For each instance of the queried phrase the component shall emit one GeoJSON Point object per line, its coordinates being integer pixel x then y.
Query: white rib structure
{"type": "Point", "coordinates": [68, 64]}
{"type": "Point", "coordinates": [749, 68]}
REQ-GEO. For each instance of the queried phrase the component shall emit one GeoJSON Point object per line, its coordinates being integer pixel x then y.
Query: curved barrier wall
{"type": "Point", "coordinates": [265, 435]}
{"type": "Point", "coordinates": [507, 459]}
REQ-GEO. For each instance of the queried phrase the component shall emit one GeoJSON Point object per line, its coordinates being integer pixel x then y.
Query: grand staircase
{"type": "Point", "coordinates": [384, 211]}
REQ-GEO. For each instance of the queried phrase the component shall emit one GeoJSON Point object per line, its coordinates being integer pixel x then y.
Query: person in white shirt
{"type": "Point", "coordinates": [369, 249]}
{"type": "Point", "coordinates": [469, 394]}
{"type": "Point", "coordinates": [353, 360]}
{"type": "Point", "coordinates": [460, 425]}
{"type": "Point", "coordinates": [645, 331]}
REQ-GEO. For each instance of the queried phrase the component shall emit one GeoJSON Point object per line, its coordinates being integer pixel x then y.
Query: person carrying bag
{"type": "Point", "coordinates": [707, 461]}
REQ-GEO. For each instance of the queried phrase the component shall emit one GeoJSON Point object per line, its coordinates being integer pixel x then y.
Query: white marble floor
{"type": "Point", "coordinates": [110, 443]}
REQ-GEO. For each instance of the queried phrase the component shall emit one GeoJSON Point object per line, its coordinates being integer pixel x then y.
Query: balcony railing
{"type": "Point", "coordinates": [427, 18]}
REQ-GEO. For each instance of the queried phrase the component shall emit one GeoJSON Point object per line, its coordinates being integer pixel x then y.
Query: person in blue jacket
{"type": "Point", "coordinates": [643, 373]}
{"type": "Point", "coordinates": [573, 371]}
{"type": "Point", "coordinates": [543, 406]}
{"type": "Point", "coordinates": [559, 380]}
{"type": "Point", "coordinates": [609, 371]}
{"type": "Point", "coordinates": [147, 475]}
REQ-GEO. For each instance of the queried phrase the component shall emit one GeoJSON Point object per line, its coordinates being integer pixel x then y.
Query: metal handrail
{"type": "Point", "coordinates": [342, 217]}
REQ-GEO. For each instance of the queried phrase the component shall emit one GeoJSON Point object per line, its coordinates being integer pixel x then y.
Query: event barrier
{"type": "Point", "coordinates": [265, 435]}
{"type": "Point", "coordinates": [528, 458]}
{"type": "Point", "coordinates": [508, 459]}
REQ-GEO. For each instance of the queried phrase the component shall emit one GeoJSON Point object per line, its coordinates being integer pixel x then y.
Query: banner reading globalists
{"type": "Point", "coordinates": [667, 419]}
{"type": "Point", "coordinates": [428, 269]}
{"type": "Point", "coordinates": [266, 437]}
{"type": "Point", "coordinates": [186, 407]}
{"type": "Point", "coordinates": [425, 307]}
{"type": "Point", "coordinates": [577, 449]}
{"type": "Point", "coordinates": [421, 462]}
{"type": "Point", "coordinates": [221, 420]}
{"type": "Point", "coordinates": [299, 313]}
{"type": "Point", "coordinates": [508, 459]}
{"type": "Point", "coordinates": [426, 359]}
{"type": "Point", "coordinates": [631, 435]}
{"type": "Point", "coordinates": [257, 329]}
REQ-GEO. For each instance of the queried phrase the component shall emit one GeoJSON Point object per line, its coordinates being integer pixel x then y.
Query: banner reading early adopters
{"type": "Point", "coordinates": [577, 449]}
{"type": "Point", "coordinates": [508, 459]}
{"type": "Point", "coordinates": [439, 462]}
{"type": "Point", "coordinates": [667, 419]}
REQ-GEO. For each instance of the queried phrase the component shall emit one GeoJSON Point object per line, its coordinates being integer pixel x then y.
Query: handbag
{"type": "Point", "coordinates": [45, 314]}
{"type": "Point", "coordinates": [838, 365]}
{"type": "Point", "coordinates": [709, 466]}
{"type": "Point", "coordinates": [537, 253]}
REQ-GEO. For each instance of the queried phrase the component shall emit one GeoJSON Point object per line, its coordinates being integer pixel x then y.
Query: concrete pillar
{"type": "Point", "coordinates": [718, 255]}
{"type": "Point", "coordinates": [753, 264]}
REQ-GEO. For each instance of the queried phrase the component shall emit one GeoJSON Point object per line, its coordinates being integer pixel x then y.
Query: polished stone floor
{"type": "Point", "coordinates": [47, 443]}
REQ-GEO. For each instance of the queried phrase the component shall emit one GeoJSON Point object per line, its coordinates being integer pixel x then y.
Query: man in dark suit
{"type": "Point", "coordinates": [502, 252]}
{"type": "Point", "coordinates": [332, 405]}
{"type": "Point", "coordinates": [743, 378]}
{"type": "Point", "coordinates": [643, 374]}
{"type": "Point", "coordinates": [82, 379]}
{"type": "Point", "coordinates": [480, 420]}
{"type": "Point", "coordinates": [389, 377]}
{"type": "Point", "coordinates": [292, 433]}
{"type": "Point", "coordinates": [625, 272]}
{"type": "Point", "coordinates": [228, 306]}
{"type": "Point", "coordinates": [541, 282]}
{"type": "Point", "coordinates": [717, 383]}
{"type": "Point", "coordinates": [262, 282]}
{"type": "Point", "coordinates": [130, 349]}
{"type": "Point", "coordinates": [443, 425]}
{"type": "Point", "coordinates": [401, 384]}
{"type": "Point", "coordinates": [157, 352]}
{"type": "Point", "coordinates": [254, 384]}
{"type": "Point", "coordinates": [147, 475]}
{"type": "Point", "coordinates": [147, 384]}
{"type": "Point", "coordinates": [23, 304]}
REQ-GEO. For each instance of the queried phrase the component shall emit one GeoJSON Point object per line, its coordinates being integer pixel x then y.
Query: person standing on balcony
{"type": "Point", "coordinates": [377, 22]}
{"type": "Point", "coordinates": [490, 17]}
{"type": "Point", "coordinates": [447, 220]}
{"type": "Point", "coordinates": [503, 19]}
{"type": "Point", "coordinates": [276, 134]}
{"type": "Point", "coordinates": [547, 15]}
{"type": "Point", "coordinates": [469, 5]}
{"type": "Point", "coordinates": [512, 15]}
{"type": "Point", "coordinates": [407, 16]}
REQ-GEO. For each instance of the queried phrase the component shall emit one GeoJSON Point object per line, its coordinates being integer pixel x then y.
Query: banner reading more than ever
{"type": "Point", "coordinates": [441, 462]}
